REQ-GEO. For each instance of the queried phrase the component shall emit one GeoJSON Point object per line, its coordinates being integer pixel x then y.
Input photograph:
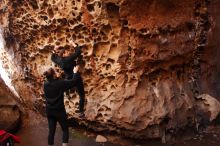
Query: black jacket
{"type": "Point", "coordinates": [67, 63]}
{"type": "Point", "coordinates": [54, 91]}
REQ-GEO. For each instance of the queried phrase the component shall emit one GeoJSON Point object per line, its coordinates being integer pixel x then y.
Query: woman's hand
{"type": "Point", "coordinates": [76, 69]}
{"type": "Point", "coordinates": [73, 44]}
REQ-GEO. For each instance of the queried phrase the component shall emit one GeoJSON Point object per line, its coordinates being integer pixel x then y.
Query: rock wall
{"type": "Point", "coordinates": [9, 110]}
{"type": "Point", "coordinates": [144, 65]}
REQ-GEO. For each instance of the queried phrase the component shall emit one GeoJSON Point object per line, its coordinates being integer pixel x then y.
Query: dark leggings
{"type": "Point", "coordinates": [80, 90]}
{"type": "Point", "coordinates": [53, 117]}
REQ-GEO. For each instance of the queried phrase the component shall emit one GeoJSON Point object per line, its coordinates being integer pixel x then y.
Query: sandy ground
{"type": "Point", "coordinates": [34, 132]}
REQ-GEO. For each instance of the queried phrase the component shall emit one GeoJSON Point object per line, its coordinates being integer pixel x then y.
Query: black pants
{"type": "Point", "coordinates": [53, 117]}
{"type": "Point", "coordinates": [80, 90]}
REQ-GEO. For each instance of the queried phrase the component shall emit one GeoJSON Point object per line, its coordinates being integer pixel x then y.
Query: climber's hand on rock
{"type": "Point", "coordinates": [76, 69]}
{"type": "Point", "coordinates": [73, 44]}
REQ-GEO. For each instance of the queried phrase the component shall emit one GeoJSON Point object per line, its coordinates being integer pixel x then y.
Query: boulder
{"type": "Point", "coordinates": [10, 117]}
{"type": "Point", "coordinates": [10, 114]}
{"type": "Point", "coordinates": [209, 104]}
{"type": "Point", "coordinates": [141, 69]}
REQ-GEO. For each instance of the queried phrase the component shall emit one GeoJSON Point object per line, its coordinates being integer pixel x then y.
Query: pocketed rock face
{"type": "Point", "coordinates": [145, 62]}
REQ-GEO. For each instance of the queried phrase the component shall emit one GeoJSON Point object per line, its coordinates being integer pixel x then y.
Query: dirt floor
{"type": "Point", "coordinates": [34, 132]}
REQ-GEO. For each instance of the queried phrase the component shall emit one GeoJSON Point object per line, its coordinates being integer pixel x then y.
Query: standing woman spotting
{"type": "Point", "coordinates": [54, 92]}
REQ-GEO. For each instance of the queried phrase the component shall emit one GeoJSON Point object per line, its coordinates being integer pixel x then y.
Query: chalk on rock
{"type": "Point", "coordinates": [100, 138]}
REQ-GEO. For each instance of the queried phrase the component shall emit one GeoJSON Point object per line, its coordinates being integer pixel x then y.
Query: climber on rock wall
{"type": "Point", "coordinates": [55, 110]}
{"type": "Point", "coordinates": [67, 62]}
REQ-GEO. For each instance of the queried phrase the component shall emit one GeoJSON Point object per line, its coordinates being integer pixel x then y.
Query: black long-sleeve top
{"type": "Point", "coordinates": [54, 91]}
{"type": "Point", "coordinates": [67, 63]}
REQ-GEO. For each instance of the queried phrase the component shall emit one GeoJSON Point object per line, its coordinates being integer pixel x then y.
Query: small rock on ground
{"type": "Point", "coordinates": [101, 138]}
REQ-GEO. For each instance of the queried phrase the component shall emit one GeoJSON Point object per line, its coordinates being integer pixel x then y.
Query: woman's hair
{"type": "Point", "coordinates": [61, 52]}
{"type": "Point", "coordinates": [49, 74]}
